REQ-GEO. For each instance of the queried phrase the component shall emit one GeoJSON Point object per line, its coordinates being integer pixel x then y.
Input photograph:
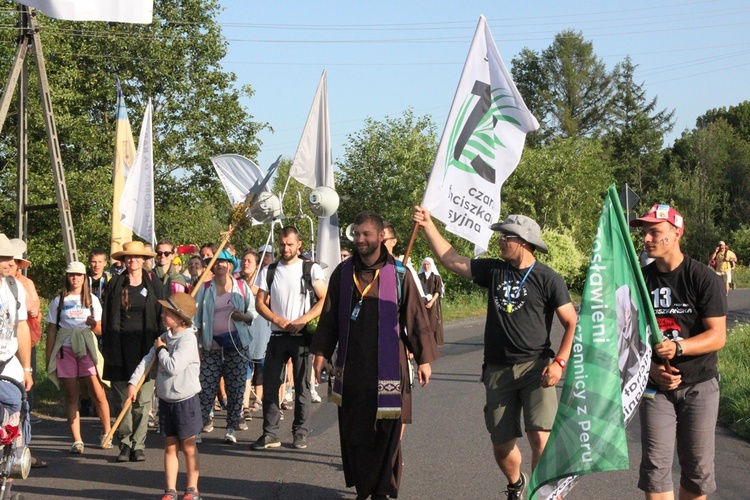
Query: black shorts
{"type": "Point", "coordinates": [181, 419]}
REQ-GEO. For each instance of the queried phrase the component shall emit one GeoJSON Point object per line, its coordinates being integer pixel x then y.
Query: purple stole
{"type": "Point", "coordinates": [389, 369]}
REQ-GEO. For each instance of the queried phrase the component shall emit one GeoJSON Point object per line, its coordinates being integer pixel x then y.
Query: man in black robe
{"type": "Point", "coordinates": [373, 313]}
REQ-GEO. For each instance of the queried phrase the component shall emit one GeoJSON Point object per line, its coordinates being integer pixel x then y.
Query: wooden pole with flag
{"type": "Point", "coordinates": [124, 157]}
{"type": "Point", "coordinates": [480, 147]}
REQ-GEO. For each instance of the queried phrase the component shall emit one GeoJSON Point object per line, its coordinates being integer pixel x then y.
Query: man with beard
{"type": "Point", "coordinates": [286, 303]}
{"type": "Point", "coordinates": [372, 314]}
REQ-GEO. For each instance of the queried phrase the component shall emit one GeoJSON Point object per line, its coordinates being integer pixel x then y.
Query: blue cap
{"type": "Point", "coordinates": [226, 256]}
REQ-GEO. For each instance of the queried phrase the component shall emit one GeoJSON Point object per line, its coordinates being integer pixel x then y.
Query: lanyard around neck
{"type": "Point", "coordinates": [363, 292]}
{"type": "Point", "coordinates": [510, 298]}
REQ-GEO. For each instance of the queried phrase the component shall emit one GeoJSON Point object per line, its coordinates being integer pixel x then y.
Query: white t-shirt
{"type": "Point", "coordinates": [73, 314]}
{"type": "Point", "coordinates": [9, 316]}
{"type": "Point", "coordinates": [287, 297]}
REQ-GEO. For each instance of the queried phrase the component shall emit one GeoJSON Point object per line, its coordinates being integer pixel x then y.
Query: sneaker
{"type": "Point", "coordinates": [124, 455]}
{"type": "Point", "coordinates": [300, 441]}
{"type": "Point", "coordinates": [198, 438]}
{"type": "Point", "coordinates": [316, 397]}
{"type": "Point", "coordinates": [209, 426]}
{"type": "Point", "coordinates": [242, 426]}
{"type": "Point", "coordinates": [192, 494]}
{"type": "Point", "coordinates": [281, 415]}
{"type": "Point", "coordinates": [169, 495]}
{"type": "Point", "coordinates": [264, 442]}
{"type": "Point", "coordinates": [518, 492]}
{"type": "Point", "coordinates": [229, 437]}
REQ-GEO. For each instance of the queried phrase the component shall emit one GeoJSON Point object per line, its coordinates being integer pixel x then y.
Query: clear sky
{"type": "Point", "coordinates": [383, 57]}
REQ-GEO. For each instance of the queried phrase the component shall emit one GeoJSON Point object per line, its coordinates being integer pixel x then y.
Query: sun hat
{"type": "Point", "coordinates": [20, 261]}
{"type": "Point", "coordinates": [522, 226]}
{"type": "Point", "coordinates": [182, 304]}
{"type": "Point", "coordinates": [228, 257]}
{"type": "Point", "coordinates": [11, 248]}
{"type": "Point", "coordinates": [136, 248]}
{"type": "Point", "coordinates": [661, 213]}
{"type": "Point", "coordinates": [76, 267]}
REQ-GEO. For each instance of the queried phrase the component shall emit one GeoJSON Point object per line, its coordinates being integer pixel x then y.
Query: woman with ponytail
{"type": "Point", "coordinates": [130, 324]}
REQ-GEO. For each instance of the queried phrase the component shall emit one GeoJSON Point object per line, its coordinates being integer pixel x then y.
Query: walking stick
{"type": "Point", "coordinates": [127, 403]}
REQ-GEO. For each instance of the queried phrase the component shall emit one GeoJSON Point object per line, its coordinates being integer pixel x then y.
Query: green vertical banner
{"type": "Point", "coordinates": [608, 367]}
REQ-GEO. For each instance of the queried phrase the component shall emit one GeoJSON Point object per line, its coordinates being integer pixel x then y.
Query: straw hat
{"type": "Point", "coordinates": [136, 248]}
{"type": "Point", "coordinates": [182, 304]}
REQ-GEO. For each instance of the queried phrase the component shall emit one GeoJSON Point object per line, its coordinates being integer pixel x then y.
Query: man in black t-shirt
{"type": "Point", "coordinates": [523, 297]}
{"type": "Point", "coordinates": [681, 403]}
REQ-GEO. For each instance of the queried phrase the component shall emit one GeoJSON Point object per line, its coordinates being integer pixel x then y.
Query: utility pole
{"type": "Point", "coordinates": [29, 37]}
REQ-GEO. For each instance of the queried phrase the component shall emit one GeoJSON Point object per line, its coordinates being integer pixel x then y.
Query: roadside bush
{"type": "Point", "coordinates": [734, 367]}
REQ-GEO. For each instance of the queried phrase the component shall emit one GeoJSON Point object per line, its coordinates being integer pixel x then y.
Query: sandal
{"type": "Point", "coordinates": [108, 444]}
{"type": "Point", "coordinates": [38, 463]}
{"type": "Point", "coordinates": [286, 406]}
{"type": "Point", "coordinates": [77, 448]}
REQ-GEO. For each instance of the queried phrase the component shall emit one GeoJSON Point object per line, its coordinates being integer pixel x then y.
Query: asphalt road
{"type": "Point", "coordinates": [447, 451]}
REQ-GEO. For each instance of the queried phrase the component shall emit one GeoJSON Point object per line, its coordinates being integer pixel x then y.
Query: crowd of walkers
{"type": "Point", "coordinates": [243, 336]}
{"type": "Point", "coordinates": [107, 323]}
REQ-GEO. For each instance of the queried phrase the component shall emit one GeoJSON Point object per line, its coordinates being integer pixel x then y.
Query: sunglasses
{"type": "Point", "coordinates": [165, 254]}
{"type": "Point", "coordinates": [506, 237]}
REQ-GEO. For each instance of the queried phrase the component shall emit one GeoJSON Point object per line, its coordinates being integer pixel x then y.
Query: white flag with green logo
{"type": "Point", "coordinates": [608, 366]}
{"type": "Point", "coordinates": [481, 144]}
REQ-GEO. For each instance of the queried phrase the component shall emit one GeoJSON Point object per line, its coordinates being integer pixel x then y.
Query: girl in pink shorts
{"type": "Point", "coordinates": [74, 320]}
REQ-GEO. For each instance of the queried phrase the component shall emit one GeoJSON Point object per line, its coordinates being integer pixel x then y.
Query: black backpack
{"type": "Point", "coordinates": [306, 279]}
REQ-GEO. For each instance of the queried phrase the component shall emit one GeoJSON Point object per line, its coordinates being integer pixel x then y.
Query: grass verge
{"type": "Point", "coordinates": [465, 306]}
{"type": "Point", "coordinates": [734, 366]}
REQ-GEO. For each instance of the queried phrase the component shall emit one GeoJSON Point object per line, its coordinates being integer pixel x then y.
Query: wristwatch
{"type": "Point", "coordinates": [678, 350]}
{"type": "Point", "coordinates": [561, 362]}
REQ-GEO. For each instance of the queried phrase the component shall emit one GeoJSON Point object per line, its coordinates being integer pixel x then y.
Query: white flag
{"type": "Point", "coordinates": [481, 144]}
{"type": "Point", "coordinates": [115, 11]}
{"type": "Point", "coordinates": [237, 174]}
{"type": "Point", "coordinates": [137, 201]}
{"type": "Point", "coordinates": [313, 167]}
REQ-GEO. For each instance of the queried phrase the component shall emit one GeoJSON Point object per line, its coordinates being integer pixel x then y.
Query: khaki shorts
{"type": "Point", "coordinates": [512, 388]}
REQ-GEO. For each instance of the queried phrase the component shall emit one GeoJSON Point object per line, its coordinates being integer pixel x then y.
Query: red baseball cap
{"type": "Point", "coordinates": [661, 213]}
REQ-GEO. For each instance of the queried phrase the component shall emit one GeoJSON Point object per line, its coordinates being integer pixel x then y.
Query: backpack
{"type": "Point", "coordinates": [306, 278]}
{"type": "Point", "coordinates": [13, 285]}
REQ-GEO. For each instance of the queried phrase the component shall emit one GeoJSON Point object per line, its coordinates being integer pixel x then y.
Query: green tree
{"type": "Point", "coordinates": [561, 186]}
{"type": "Point", "coordinates": [636, 134]}
{"type": "Point", "coordinates": [737, 116]}
{"type": "Point", "coordinates": [176, 61]}
{"type": "Point", "coordinates": [532, 82]}
{"type": "Point", "coordinates": [385, 168]}
{"type": "Point", "coordinates": [710, 177]}
{"type": "Point", "coordinates": [567, 85]}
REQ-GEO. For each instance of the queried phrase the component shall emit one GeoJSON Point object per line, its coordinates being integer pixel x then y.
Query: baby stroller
{"type": "Point", "coordinates": [15, 431]}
